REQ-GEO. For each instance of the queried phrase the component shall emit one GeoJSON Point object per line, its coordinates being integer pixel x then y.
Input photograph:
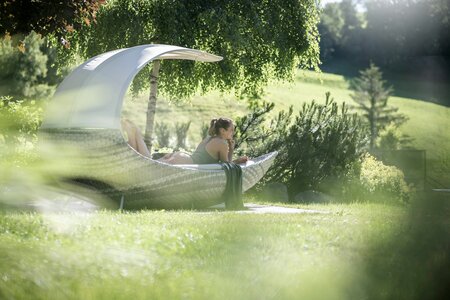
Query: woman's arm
{"type": "Point", "coordinates": [240, 160]}
{"type": "Point", "coordinates": [230, 149]}
{"type": "Point", "coordinates": [223, 152]}
{"type": "Point", "coordinates": [226, 151]}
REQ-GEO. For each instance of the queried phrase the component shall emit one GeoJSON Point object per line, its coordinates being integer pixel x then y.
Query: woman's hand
{"type": "Point", "coordinates": [241, 160]}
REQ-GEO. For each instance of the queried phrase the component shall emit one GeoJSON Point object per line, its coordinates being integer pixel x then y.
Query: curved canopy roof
{"type": "Point", "coordinates": [92, 95]}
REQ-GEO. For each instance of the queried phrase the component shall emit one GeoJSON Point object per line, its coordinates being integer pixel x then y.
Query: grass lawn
{"type": "Point", "coordinates": [358, 251]}
{"type": "Point", "coordinates": [428, 123]}
{"type": "Point", "coordinates": [353, 251]}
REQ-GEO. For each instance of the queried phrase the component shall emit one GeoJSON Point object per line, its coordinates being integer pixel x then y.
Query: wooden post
{"type": "Point", "coordinates": [151, 107]}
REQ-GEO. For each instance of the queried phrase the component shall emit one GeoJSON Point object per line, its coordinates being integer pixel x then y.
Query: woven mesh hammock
{"type": "Point", "coordinates": [84, 116]}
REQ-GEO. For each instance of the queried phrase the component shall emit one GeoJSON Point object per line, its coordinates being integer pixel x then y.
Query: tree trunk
{"type": "Point", "coordinates": [373, 123]}
{"type": "Point", "coordinates": [151, 107]}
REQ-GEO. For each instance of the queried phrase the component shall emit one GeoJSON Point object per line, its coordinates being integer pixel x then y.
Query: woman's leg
{"type": "Point", "coordinates": [135, 139]}
{"type": "Point", "coordinates": [180, 158]}
{"type": "Point", "coordinates": [141, 146]}
{"type": "Point", "coordinates": [126, 126]}
{"type": "Point", "coordinates": [177, 158]}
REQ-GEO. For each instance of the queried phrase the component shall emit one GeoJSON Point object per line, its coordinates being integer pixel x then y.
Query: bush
{"type": "Point", "coordinates": [27, 171]}
{"type": "Point", "coordinates": [323, 141]}
{"type": "Point", "coordinates": [19, 123]}
{"type": "Point", "coordinates": [162, 134]}
{"type": "Point", "coordinates": [381, 182]}
{"type": "Point", "coordinates": [250, 132]}
{"type": "Point", "coordinates": [19, 120]}
{"type": "Point", "coordinates": [181, 130]}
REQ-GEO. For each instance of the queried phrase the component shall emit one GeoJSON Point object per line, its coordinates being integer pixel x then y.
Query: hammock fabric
{"type": "Point", "coordinates": [102, 156]}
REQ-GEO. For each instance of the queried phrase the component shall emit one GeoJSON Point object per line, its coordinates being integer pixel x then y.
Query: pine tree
{"type": "Point", "coordinates": [372, 96]}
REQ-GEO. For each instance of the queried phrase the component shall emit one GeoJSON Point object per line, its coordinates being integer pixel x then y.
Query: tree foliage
{"type": "Point", "coordinates": [401, 29]}
{"type": "Point", "coordinates": [389, 138]}
{"type": "Point", "coordinates": [340, 30]}
{"type": "Point", "coordinates": [29, 67]}
{"type": "Point", "coordinates": [46, 17]}
{"type": "Point", "coordinates": [372, 96]}
{"type": "Point", "coordinates": [330, 28]}
{"type": "Point", "coordinates": [259, 40]}
{"type": "Point", "coordinates": [389, 32]}
{"type": "Point", "coordinates": [8, 57]}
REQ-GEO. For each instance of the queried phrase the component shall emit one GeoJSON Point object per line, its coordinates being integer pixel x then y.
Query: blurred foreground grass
{"type": "Point", "coordinates": [358, 251]}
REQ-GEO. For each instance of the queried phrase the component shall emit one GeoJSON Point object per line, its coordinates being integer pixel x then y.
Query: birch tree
{"type": "Point", "coordinates": [259, 40]}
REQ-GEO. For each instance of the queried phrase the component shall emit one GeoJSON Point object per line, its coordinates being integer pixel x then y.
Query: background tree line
{"type": "Point", "coordinates": [388, 32]}
{"type": "Point", "coordinates": [408, 39]}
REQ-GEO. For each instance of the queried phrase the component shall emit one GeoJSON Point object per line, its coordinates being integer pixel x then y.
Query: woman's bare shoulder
{"type": "Point", "coordinates": [217, 143]}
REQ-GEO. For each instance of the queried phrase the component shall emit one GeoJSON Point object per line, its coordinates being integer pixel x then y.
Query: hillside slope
{"type": "Point", "coordinates": [428, 124]}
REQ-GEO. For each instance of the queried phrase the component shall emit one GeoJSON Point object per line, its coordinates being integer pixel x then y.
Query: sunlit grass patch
{"type": "Point", "coordinates": [176, 254]}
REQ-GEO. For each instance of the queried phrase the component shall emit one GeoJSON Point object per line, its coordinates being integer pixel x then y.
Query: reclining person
{"type": "Point", "coordinates": [215, 148]}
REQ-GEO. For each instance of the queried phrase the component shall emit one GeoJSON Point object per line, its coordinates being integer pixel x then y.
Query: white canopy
{"type": "Point", "coordinates": [92, 95]}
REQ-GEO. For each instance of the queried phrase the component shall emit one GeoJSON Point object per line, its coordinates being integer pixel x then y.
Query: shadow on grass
{"type": "Point", "coordinates": [415, 262]}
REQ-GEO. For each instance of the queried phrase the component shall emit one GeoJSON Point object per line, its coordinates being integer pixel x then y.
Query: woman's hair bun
{"type": "Point", "coordinates": [217, 123]}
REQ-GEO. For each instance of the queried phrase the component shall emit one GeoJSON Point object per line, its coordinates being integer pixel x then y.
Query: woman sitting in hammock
{"type": "Point", "coordinates": [217, 147]}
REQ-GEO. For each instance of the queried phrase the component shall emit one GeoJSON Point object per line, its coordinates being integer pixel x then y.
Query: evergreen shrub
{"type": "Point", "coordinates": [30, 65]}
{"type": "Point", "coordinates": [320, 143]}
{"type": "Point", "coordinates": [19, 123]}
{"type": "Point", "coordinates": [8, 57]}
{"type": "Point", "coordinates": [19, 119]}
{"type": "Point", "coordinates": [31, 68]}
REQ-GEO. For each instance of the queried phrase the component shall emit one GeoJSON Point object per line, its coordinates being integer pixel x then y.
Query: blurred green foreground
{"type": "Point", "coordinates": [357, 251]}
